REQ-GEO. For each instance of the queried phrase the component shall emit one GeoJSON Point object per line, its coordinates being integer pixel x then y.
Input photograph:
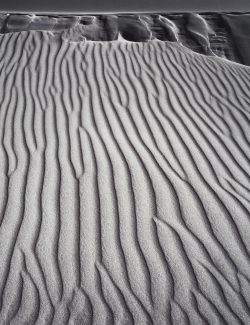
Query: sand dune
{"type": "Point", "coordinates": [225, 35]}
{"type": "Point", "coordinates": [124, 183]}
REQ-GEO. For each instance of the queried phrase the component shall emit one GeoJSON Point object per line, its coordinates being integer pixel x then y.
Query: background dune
{"type": "Point", "coordinates": [214, 34]}
{"type": "Point", "coordinates": [125, 183]}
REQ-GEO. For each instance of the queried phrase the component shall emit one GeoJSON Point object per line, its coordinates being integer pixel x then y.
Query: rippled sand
{"type": "Point", "coordinates": [125, 182]}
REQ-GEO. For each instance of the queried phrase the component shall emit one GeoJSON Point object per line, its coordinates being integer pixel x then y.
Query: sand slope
{"type": "Point", "coordinates": [124, 184]}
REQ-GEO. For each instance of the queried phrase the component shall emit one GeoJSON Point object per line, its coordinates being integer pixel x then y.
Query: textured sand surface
{"type": "Point", "coordinates": [225, 35]}
{"type": "Point", "coordinates": [124, 175]}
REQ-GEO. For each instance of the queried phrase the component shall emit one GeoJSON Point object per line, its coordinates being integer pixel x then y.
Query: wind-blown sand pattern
{"type": "Point", "coordinates": [124, 183]}
{"type": "Point", "coordinates": [225, 35]}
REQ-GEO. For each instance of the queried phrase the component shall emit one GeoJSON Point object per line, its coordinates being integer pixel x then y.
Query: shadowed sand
{"type": "Point", "coordinates": [124, 182]}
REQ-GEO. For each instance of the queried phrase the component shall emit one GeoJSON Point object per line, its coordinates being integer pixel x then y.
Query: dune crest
{"type": "Point", "coordinates": [225, 35]}
{"type": "Point", "coordinates": [124, 183]}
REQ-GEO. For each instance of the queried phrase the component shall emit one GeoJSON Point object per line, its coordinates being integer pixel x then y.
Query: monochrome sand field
{"type": "Point", "coordinates": [124, 181]}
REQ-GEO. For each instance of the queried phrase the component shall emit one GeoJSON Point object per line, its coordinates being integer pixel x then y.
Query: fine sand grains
{"type": "Point", "coordinates": [124, 181]}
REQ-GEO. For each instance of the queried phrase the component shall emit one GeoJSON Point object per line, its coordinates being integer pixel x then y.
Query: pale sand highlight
{"type": "Point", "coordinates": [124, 184]}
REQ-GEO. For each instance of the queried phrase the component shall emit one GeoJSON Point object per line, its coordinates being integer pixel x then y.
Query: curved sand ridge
{"type": "Point", "coordinates": [124, 184]}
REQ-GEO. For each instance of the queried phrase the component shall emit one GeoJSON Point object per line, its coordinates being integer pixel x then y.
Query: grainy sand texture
{"type": "Point", "coordinates": [124, 181]}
